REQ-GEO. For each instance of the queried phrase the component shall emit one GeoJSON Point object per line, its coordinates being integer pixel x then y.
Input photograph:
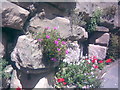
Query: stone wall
{"type": "Point", "coordinates": [30, 70]}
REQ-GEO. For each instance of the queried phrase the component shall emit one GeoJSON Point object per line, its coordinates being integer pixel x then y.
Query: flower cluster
{"type": "Point", "coordinates": [96, 63]}
{"type": "Point", "coordinates": [82, 74]}
{"type": "Point", "coordinates": [61, 81]}
{"type": "Point", "coordinates": [54, 47]}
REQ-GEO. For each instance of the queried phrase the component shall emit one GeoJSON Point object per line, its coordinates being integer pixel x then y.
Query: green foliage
{"type": "Point", "coordinates": [94, 21]}
{"type": "Point", "coordinates": [54, 47]}
{"type": "Point", "coordinates": [82, 74]}
{"type": "Point", "coordinates": [3, 64]}
{"type": "Point", "coordinates": [113, 50]}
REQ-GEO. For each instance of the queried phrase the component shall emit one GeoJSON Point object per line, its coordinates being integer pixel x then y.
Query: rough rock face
{"type": "Point", "coordinates": [62, 24]}
{"type": "Point", "coordinates": [15, 82]}
{"type": "Point", "coordinates": [27, 53]}
{"type": "Point", "coordinates": [100, 38]}
{"type": "Point", "coordinates": [52, 9]}
{"type": "Point", "coordinates": [98, 51]}
{"type": "Point", "coordinates": [13, 16]}
{"type": "Point", "coordinates": [23, 80]}
{"type": "Point", "coordinates": [102, 29]}
{"type": "Point", "coordinates": [73, 53]}
{"type": "Point", "coordinates": [110, 14]}
{"type": "Point", "coordinates": [78, 33]}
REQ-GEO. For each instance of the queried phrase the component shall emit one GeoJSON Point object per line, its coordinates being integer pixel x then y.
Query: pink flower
{"type": "Point", "coordinates": [58, 49]}
{"type": "Point", "coordinates": [66, 51]}
{"type": "Point", "coordinates": [56, 42]}
{"type": "Point", "coordinates": [59, 39]}
{"type": "Point", "coordinates": [47, 27]}
{"type": "Point", "coordinates": [55, 28]}
{"type": "Point", "coordinates": [47, 36]}
{"type": "Point", "coordinates": [40, 39]}
{"type": "Point", "coordinates": [63, 42]}
{"type": "Point", "coordinates": [53, 59]}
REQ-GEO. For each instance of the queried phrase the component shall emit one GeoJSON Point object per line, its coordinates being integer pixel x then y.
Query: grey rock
{"type": "Point", "coordinates": [73, 52]}
{"type": "Point", "coordinates": [27, 53]}
{"type": "Point", "coordinates": [109, 11]}
{"type": "Point", "coordinates": [61, 23]}
{"type": "Point", "coordinates": [102, 29]}
{"type": "Point", "coordinates": [78, 33]}
{"type": "Point", "coordinates": [15, 82]}
{"type": "Point", "coordinates": [97, 50]}
{"type": "Point", "coordinates": [26, 5]}
{"type": "Point", "coordinates": [13, 16]}
{"type": "Point", "coordinates": [28, 56]}
{"type": "Point", "coordinates": [100, 38]}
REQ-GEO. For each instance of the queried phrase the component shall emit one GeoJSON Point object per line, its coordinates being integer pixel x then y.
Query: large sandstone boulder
{"type": "Point", "coordinates": [97, 50]}
{"type": "Point", "coordinates": [62, 24]}
{"type": "Point", "coordinates": [27, 53]}
{"type": "Point", "coordinates": [100, 38]}
{"type": "Point", "coordinates": [13, 16]}
{"type": "Point", "coordinates": [28, 56]}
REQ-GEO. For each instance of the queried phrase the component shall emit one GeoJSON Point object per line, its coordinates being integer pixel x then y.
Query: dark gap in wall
{"type": "Point", "coordinates": [9, 37]}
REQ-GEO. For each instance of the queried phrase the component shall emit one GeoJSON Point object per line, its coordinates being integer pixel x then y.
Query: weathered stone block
{"type": "Point", "coordinates": [13, 16]}
{"type": "Point", "coordinates": [100, 38]}
{"type": "Point", "coordinates": [97, 50]}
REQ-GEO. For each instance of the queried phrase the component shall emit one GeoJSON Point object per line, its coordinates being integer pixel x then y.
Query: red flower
{"type": "Point", "coordinates": [60, 80]}
{"type": "Point", "coordinates": [100, 61]}
{"type": "Point", "coordinates": [64, 83]}
{"type": "Point", "coordinates": [18, 88]}
{"type": "Point", "coordinates": [93, 61]}
{"type": "Point", "coordinates": [95, 66]}
{"type": "Point", "coordinates": [108, 60]}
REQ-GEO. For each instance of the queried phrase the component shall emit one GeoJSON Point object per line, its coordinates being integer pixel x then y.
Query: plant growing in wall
{"type": "Point", "coordinates": [94, 21]}
{"type": "Point", "coordinates": [54, 47]}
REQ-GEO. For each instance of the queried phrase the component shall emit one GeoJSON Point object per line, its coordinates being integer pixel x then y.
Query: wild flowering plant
{"type": "Point", "coordinates": [83, 74]}
{"type": "Point", "coordinates": [54, 47]}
